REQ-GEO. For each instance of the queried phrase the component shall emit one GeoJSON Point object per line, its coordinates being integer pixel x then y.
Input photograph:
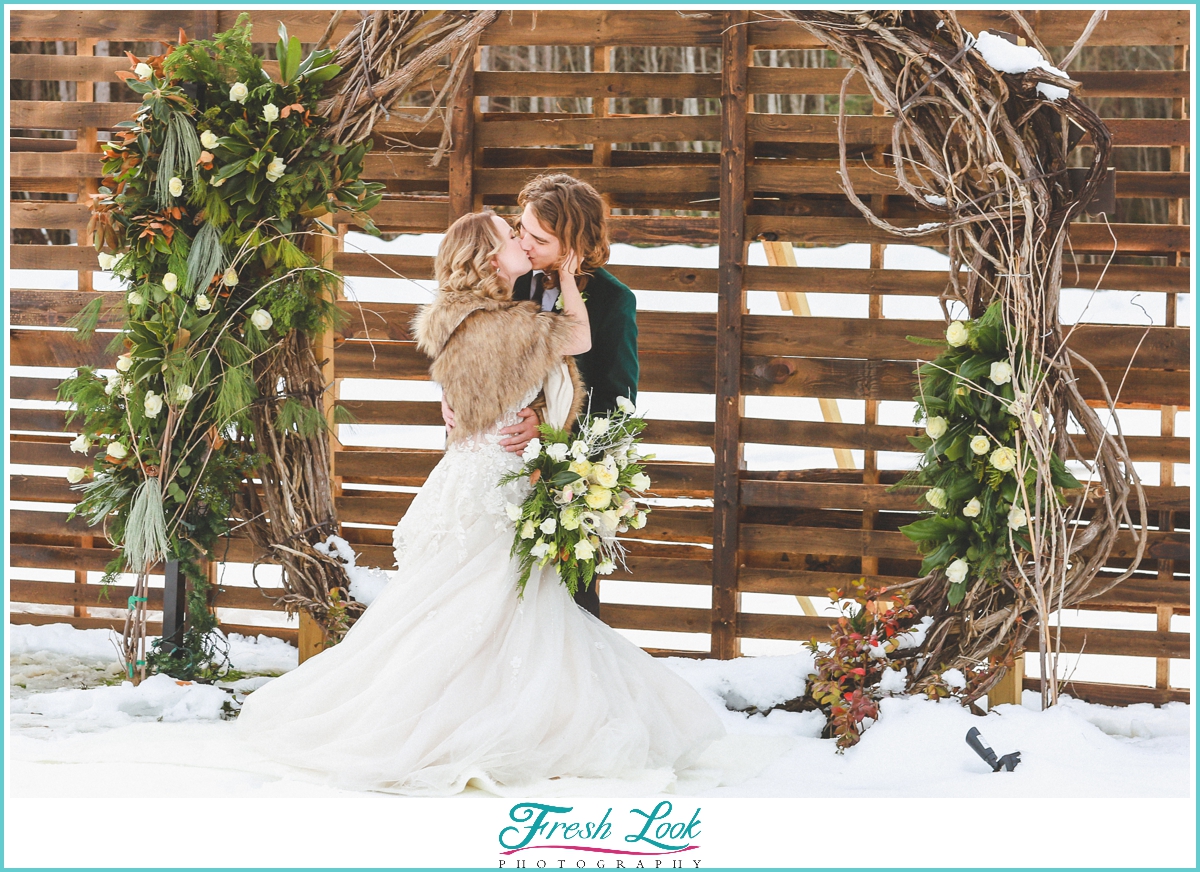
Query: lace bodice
{"type": "Point", "coordinates": [463, 490]}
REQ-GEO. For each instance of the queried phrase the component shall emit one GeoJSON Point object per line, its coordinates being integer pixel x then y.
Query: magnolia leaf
{"type": "Point", "coordinates": [956, 593]}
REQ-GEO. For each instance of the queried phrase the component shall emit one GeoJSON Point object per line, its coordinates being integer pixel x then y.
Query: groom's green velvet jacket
{"type": "Point", "coordinates": [610, 369]}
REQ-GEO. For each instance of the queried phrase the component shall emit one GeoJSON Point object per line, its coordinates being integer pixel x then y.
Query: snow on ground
{"type": "Point", "coordinates": [72, 735]}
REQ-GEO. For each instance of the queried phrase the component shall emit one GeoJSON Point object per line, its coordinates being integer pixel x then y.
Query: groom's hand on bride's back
{"type": "Point", "coordinates": [516, 437]}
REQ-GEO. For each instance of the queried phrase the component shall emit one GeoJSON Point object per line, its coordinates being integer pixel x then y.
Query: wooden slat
{"type": "Point", "coordinates": [57, 348]}
{"type": "Point", "coordinates": [409, 216]}
{"type": "Point", "coordinates": [1096, 83]}
{"type": "Point", "coordinates": [398, 165]}
{"type": "Point", "coordinates": [1055, 27]}
{"type": "Point", "coordinates": [1116, 694]}
{"type": "Point", "coordinates": [608, 28]}
{"type": "Point", "coordinates": [662, 618]}
{"type": "Point", "coordinates": [610, 180]}
{"type": "Point", "coordinates": [30, 308]}
{"type": "Point", "coordinates": [71, 68]}
{"type": "Point", "coordinates": [800, 627]}
{"type": "Point", "coordinates": [598, 85]}
{"type": "Point", "coordinates": [58, 115]}
{"type": "Point", "coordinates": [41, 143]}
{"type": "Point", "coordinates": [585, 130]}
{"type": "Point", "coordinates": [1131, 643]}
{"type": "Point", "coordinates": [47, 214]}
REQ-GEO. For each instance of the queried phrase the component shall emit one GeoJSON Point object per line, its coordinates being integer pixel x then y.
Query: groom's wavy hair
{"type": "Point", "coordinates": [574, 212]}
{"type": "Point", "coordinates": [464, 259]}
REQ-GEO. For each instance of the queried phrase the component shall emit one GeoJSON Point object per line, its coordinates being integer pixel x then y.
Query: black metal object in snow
{"type": "Point", "coordinates": [1008, 762]}
{"type": "Point", "coordinates": [174, 606]}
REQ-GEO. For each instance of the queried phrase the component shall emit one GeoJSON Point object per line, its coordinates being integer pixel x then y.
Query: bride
{"type": "Point", "coordinates": [449, 677]}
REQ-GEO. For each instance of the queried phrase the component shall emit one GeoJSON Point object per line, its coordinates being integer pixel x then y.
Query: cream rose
{"type": "Point", "coordinates": [935, 427]}
{"type": "Point", "coordinates": [957, 334]}
{"type": "Point", "coordinates": [936, 497]}
{"type": "Point", "coordinates": [208, 139]}
{"type": "Point", "coordinates": [570, 518]}
{"type": "Point", "coordinates": [973, 508]}
{"type": "Point", "coordinates": [117, 451]}
{"type": "Point", "coordinates": [106, 260]}
{"type": "Point", "coordinates": [170, 282]}
{"type": "Point", "coordinates": [135, 299]}
{"type": "Point", "coordinates": [262, 319]}
{"type": "Point", "coordinates": [640, 482]}
{"type": "Point", "coordinates": [143, 71]}
{"type": "Point", "coordinates": [581, 468]}
{"type": "Point", "coordinates": [230, 278]}
{"type": "Point", "coordinates": [598, 497]}
{"type": "Point", "coordinates": [1037, 418]}
{"type": "Point", "coordinates": [80, 444]}
{"type": "Point", "coordinates": [239, 92]}
{"type": "Point", "coordinates": [153, 404]}
{"type": "Point", "coordinates": [1000, 373]}
{"type": "Point", "coordinates": [75, 474]}
{"type": "Point", "coordinates": [957, 571]}
{"type": "Point", "coordinates": [175, 186]}
{"type": "Point", "coordinates": [1004, 459]}
{"type": "Point", "coordinates": [183, 393]}
{"type": "Point", "coordinates": [203, 303]}
{"type": "Point", "coordinates": [1016, 518]}
{"type": "Point", "coordinates": [275, 170]}
{"type": "Point", "coordinates": [124, 363]}
{"type": "Point", "coordinates": [980, 444]}
{"type": "Point", "coordinates": [270, 113]}
{"type": "Point", "coordinates": [605, 475]}
{"type": "Point", "coordinates": [639, 521]}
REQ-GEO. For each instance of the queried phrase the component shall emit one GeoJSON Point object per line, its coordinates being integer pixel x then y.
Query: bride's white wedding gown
{"type": "Point", "coordinates": [449, 677]}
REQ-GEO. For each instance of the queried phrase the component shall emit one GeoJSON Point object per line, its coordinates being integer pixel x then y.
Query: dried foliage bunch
{"type": "Point", "coordinates": [211, 195]}
{"type": "Point", "coordinates": [985, 151]}
{"type": "Point", "coordinates": [393, 53]}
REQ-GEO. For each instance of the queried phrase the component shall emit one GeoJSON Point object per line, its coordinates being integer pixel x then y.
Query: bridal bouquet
{"type": "Point", "coordinates": [585, 487]}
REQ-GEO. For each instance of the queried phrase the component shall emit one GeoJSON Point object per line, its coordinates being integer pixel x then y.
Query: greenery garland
{"type": "Point", "coordinates": [982, 483]}
{"type": "Point", "coordinates": [211, 195]}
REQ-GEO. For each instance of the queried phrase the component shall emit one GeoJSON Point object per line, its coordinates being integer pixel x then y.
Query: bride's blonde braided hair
{"type": "Point", "coordinates": [464, 259]}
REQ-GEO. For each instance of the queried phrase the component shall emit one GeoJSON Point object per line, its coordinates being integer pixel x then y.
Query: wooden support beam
{"type": "Point", "coordinates": [731, 306]}
{"type": "Point", "coordinates": [462, 157]}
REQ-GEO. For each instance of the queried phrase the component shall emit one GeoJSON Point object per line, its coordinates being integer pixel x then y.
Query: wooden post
{"type": "Point", "coordinates": [462, 155]}
{"type": "Point", "coordinates": [81, 579]}
{"type": "Point", "coordinates": [1166, 474]}
{"type": "Point", "coordinates": [1008, 691]}
{"type": "Point", "coordinates": [174, 605]}
{"type": "Point", "coordinates": [601, 151]}
{"type": "Point", "coordinates": [730, 308]}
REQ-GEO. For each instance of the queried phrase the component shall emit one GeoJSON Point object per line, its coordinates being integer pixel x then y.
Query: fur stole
{"type": "Point", "coordinates": [489, 354]}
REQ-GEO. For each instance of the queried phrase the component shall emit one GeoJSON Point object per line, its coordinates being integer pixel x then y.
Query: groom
{"type": "Point", "coordinates": [562, 214]}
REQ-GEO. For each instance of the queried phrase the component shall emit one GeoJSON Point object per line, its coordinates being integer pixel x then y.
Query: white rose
{"type": "Point", "coordinates": [625, 405]}
{"type": "Point", "coordinates": [980, 444]}
{"type": "Point", "coordinates": [1001, 372]}
{"type": "Point", "coordinates": [80, 444]}
{"type": "Point", "coordinates": [1004, 459]}
{"type": "Point", "coordinates": [1016, 518]}
{"type": "Point", "coordinates": [203, 303]}
{"type": "Point", "coordinates": [527, 530]}
{"type": "Point", "coordinates": [605, 568]}
{"type": "Point", "coordinates": [532, 450]}
{"type": "Point", "coordinates": [170, 282]}
{"type": "Point", "coordinates": [75, 475]}
{"type": "Point", "coordinates": [135, 299]}
{"type": "Point", "coordinates": [640, 482]}
{"type": "Point", "coordinates": [124, 362]}
{"type": "Point", "coordinates": [143, 71]}
{"type": "Point", "coordinates": [936, 497]}
{"type": "Point", "coordinates": [275, 170]}
{"type": "Point", "coordinates": [262, 319]}
{"type": "Point", "coordinates": [540, 549]}
{"type": "Point", "coordinates": [548, 526]}
{"type": "Point", "coordinates": [599, 427]}
{"type": "Point", "coordinates": [639, 521]}
{"type": "Point", "coordinates": [183, 393]}
{"type": "Point", "coordinates": [936, 427]}
{"type": "Point", "coordinates": [230, 278]}
{"type": "Point", "coordinates": [612, 517]}
{"type": "Point", "coordinates": [270, 113]}
{"type": "Point", "coordinates": [973, 508]}
{"type": "Point", "coordinates": [153, 404]}
{"type": "Point", "coordinates": [570, 519]}
{"type": "Point", "coordinates": [114, 382]}
{"type": "Point", "coordinates": [1017, 407]}
{"type": "Point", "coordinates": [513, 511]}
{"type": "Point", "coordinates": [957, 571]}
{"type": "Point", "coordinates": [557, 451]}
{"type": "Point", "coordinates": [239, 92]}
{"type": "Point", "coordinates": [1037, 418]}
{"type": "Point", "coordinates": [584, 550]}
{"type": "Point", "coordinates": [117, 451]}
{"type": "Point", "coordinates": [579, 449]}
{"type": "Point", "coordinates": [209, 140]}
{"type": "Point", "coordinates": [126, 388]}
{"type": "Point", "coordinates": [106, 260]}
{"type": "Point", "coordinates": [175, 186]}
{"type": "Point", "coordinates": [957, 334]}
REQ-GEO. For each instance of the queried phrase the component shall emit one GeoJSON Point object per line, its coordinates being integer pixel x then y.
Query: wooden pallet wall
{"type": "Point", "coordinates": [753, 176]}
